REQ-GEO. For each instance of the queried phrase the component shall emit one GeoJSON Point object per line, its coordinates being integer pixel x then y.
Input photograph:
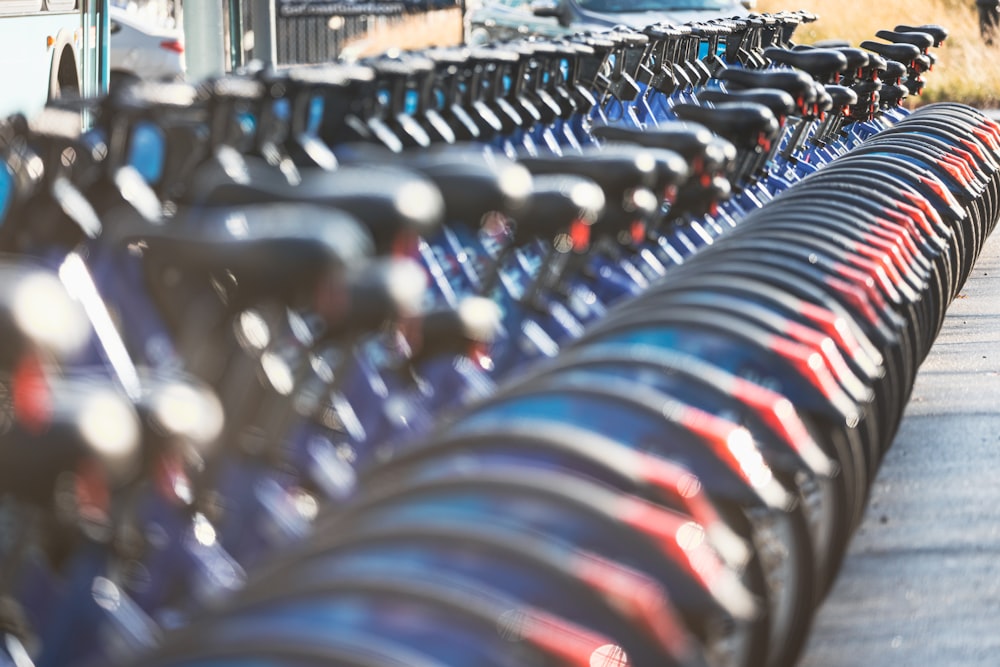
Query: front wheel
{"type": "Point", "coordinates": [64, 78]}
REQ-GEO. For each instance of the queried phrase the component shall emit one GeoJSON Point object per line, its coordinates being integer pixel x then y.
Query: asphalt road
{"type": "Point", "coordinates": [921, 583]}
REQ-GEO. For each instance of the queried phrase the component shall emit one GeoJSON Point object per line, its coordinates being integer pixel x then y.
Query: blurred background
{"type": "Point", "coordinates": [310, 31]}
{"type": "Point", "coordinates": [968, 70]}
{"type": "Point", "coordinates": [163, 13]}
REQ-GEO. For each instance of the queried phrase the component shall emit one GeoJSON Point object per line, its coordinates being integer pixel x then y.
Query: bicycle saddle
{"type": "Point", "coordinates": [719, 156]}
{"type": "Point", "coordinates": [388, 201]}
{"type": "Point", "coordinates": [894, 72]}
{"type": "Point", "coordinates": [746, 125]}
{"type": "Point", "coordinates": [628, 179]}
{"type": "Point", "coordinates": [471, 182]}
{"type": "Point", "coordinates": [876, 65]}
{"type": "Point", "coordinates": [271, 250]}
{"type": "Point", "coordinates": [892, 95]}
{"type": "Point", "coordinates": [777, 101]}
{"type": "Point", "coordinates": [821, 64]}
{"type": "Point", "coordinates": [797, 84]}
{"type": "Point", "coordinates": [689, 140]}
{"type": "Point", "coordinates": [938, 33]}
{"type": "Point", "coordinates": [824, 102]}
{"type": "Point", "coordinates": [558, 201]}
{"type": "Point", "coordinates": [867, 89]}
{"type": "Point", "coordinates": [370, 295]}
{"type": "Point", "coordinates": [841, 96]}
{"type": "Point", "coordinates": [474, 322]}
{"type": "Point", "coordinates": [904, 53]}
{"type": "Point", "coordinates": [701, 198]}
{"type": "Point", "coordinates": [670, 169]}
{"type": "Point", "coordinates": [921, 40]}
{"type": "Point", "coordinates": [615, 172]}
{"type": "Point", "coordinates": [857, 59]}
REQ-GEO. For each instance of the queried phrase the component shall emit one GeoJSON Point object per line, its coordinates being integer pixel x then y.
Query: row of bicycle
{"type": "Point", "coordinates": [546, 396]}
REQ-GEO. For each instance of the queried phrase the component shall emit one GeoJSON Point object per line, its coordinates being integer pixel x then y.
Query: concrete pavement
{"type": "Point", "coordinates": [921, 582]}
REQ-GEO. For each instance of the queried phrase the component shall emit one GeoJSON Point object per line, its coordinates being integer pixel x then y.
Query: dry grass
{"type": "Point", "coordinates": [967, 70]}
{"type": "Point", "coordinates": [417, 31]}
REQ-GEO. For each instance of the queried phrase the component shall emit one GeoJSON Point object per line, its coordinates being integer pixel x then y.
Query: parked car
{"type": "Point", "coordinates": [494, 20]}
{"type": "Point", "coordinates": [501, 19]}
{"type": "Point", "coordinates": [142, 50]}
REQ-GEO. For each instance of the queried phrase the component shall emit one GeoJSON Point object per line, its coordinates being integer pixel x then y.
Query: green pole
{"type": "Point", "coordinates": [236, 52]}
{"type": "Point", "coordinates": [204, 39]}
{"type": "Point", "coordinates": [104, 49]}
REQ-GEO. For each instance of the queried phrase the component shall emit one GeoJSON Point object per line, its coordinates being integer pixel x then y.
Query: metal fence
{"type": "Point", "coordinates": [306, 31]}
{"type": "Point", "coordinates": [315, 32]}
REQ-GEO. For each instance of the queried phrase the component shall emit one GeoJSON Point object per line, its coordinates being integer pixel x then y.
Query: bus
{"type": "Point", "coordinates": [51, 49]}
